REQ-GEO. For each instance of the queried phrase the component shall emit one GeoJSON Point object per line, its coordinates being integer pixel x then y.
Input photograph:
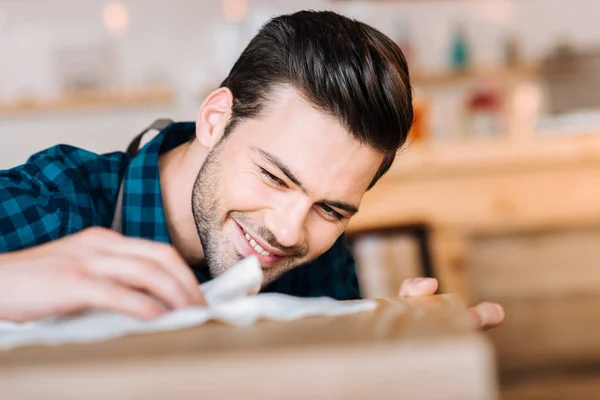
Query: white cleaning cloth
{"type": "Point", "coordinates": [231, 298]}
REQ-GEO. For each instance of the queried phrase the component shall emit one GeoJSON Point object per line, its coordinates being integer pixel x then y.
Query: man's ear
{"type": "Point", "coordinates": [213, 117]}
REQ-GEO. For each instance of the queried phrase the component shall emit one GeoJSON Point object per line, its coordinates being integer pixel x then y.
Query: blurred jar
{"type": "Point", "coordinates": [483, 114]}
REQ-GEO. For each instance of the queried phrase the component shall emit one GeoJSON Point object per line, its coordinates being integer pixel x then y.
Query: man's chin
{"type": "Point", "coordinates": [217, 268]}
{"type": "Point", "coordinates": [272, 274]}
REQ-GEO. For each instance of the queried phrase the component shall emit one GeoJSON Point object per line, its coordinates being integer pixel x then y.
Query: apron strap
{"type": "Point", "coordinates": [157, 125]}
{"type": "Point", "coordinates": [132, 150]}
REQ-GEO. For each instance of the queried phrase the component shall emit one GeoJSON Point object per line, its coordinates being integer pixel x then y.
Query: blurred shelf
{"type": "Point", "coordinates": [89, 100]}
{"type": "Point", "coordinates": [439, 78]}
{"type": "Point", "coordinates": [477, 157]}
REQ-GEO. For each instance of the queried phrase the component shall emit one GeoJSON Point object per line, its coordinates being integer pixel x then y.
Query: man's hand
{"type": "Point", "coordinates": [485, 315]}
{"type": "Point", "coordinates": [95, 269]}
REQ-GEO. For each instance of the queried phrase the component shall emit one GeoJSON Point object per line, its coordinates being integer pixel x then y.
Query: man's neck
{"type": "Point", "coordinates": [177, 177]}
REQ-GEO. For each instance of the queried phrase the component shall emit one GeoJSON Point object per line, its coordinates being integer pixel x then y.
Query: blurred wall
{"type": "Point", "coordinates": [189, 45]}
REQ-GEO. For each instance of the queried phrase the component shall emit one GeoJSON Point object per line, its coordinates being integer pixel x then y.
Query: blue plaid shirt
{"type": "Point", "coordinates": [63, 190]}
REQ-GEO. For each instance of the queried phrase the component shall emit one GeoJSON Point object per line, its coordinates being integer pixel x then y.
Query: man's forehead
{"type": "Point", "coordinates": [311, 143]}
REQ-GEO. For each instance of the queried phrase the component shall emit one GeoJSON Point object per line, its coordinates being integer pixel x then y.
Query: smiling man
{"type": "Point", "coordinates": [277, 162]}
{"type": "Point", "coordinates": [282, 185]}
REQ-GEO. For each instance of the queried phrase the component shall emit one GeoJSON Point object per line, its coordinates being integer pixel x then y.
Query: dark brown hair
{"type": "Point", "coordinates": [342, 67]}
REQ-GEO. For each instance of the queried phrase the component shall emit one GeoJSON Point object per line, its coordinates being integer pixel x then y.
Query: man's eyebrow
{"type": "Point", "coordinates": [280, 165]}
{"type": "Point", "coordinates": [352, 209]}
{"type": "Point", "coordinates": [277, 162]}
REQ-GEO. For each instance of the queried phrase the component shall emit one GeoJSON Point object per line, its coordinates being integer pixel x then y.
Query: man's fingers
{"type": "Point", "coordinates": [487, 315]}
{"type": "Point", "coordinates": [418, 287]}
{"type": "Point", "coordinates": [165, 255]}
{"type": "Point", "coordinates": [104, 295]}
{"type": "Point", "coordinates": [142, 274]}
{"type": "Point", "coordinates": [175, 264]}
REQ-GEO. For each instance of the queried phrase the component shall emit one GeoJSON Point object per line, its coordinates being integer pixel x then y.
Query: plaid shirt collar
{"type": "Point", "coordinates": [143, 211]}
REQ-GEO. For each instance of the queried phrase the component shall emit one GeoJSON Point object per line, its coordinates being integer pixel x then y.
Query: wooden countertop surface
{"type": "Point", "coordinates": [406, 347]}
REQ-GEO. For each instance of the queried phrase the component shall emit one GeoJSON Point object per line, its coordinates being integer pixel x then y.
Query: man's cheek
{"type": "Point", "coordinates": [251, 196]}
{"type": "Point", "coordinates": [320, 244]}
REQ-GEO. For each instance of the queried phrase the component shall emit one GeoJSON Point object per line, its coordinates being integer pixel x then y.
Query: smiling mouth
{"type": "Point", "coordinates": [256, 246]}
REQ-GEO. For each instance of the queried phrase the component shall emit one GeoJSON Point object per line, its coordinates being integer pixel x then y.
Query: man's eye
{"type": "Point", "coordinates": [272, 178]}
{"type": "Point", "coordinates": [331, 212]}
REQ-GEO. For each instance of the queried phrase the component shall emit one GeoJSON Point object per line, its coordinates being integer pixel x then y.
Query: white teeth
{"type": "Point", "coordinates": [256, 247]}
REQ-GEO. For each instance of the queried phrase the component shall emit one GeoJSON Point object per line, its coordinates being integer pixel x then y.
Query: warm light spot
{"type": "Point", "coordinates": [115, 17]}
{"type": "Point", "coordinates": [497, 11]}
{"type": "Point", "coordinates": [234, 10]}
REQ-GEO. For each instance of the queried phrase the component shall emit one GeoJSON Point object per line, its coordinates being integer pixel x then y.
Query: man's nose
{"type": "Point", "coordinates": [287, 222]}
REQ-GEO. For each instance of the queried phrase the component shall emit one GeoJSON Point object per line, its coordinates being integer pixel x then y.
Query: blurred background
{"type": "Point", "coordinates": [93, 72]}
{"type": "Point", "coordinates": [496, 193]}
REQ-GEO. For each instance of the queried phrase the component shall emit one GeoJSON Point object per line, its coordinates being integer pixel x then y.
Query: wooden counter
{"type": "Point", "coordinates": [414, 348]}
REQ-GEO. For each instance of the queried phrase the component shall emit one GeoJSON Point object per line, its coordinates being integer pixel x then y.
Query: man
{"type": "Point", "coordinates": [309, 118]}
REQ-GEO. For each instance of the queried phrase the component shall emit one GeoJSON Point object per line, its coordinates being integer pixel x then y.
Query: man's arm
{"type": "Point", "coordinates": [29, 213]}
{"type": "Point", "coordinates": [58, 191]}
{"type": "Point", "coordinates": [50, 197]}
{"type": "Point", "coordinates": [95, 269]}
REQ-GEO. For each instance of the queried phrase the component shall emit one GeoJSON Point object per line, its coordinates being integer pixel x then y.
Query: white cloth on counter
{"type": "Point", "coordinates": [232, 298]}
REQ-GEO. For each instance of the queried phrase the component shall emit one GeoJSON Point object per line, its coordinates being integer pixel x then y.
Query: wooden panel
{"type": "Point", "coordinates": [487, 203]}
{"type": "Point", "coordinates": [489, 187]}
{"type": "Point", "coordinates": [384, 261]}
{"type": "Point", "coordinates": [450, 258]}
{"type": "Point", "coordinates": [549, 284]}
{"type": "Point", "coordinates": [406, 348]}
{"type": "Point", "coordinates": [584, 384]}
{"type": "Point", "coordinates": [543, 331]}
{"type": "Point", "coordinates": [549, 263]}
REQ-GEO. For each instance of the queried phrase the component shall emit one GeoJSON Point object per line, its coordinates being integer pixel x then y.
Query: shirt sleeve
{"type": "Point", "coordinates": [29, 213]}
{"type": "Point", "coordinates": [52, 195]}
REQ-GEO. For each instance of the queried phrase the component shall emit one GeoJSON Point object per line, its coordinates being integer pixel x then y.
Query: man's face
{"type": "Point", "coordinates": [281, 187]}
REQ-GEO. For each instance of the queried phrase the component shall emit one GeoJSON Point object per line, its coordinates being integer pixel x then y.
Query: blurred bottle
{"type": "Point", "coordinates": [459, 49]}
